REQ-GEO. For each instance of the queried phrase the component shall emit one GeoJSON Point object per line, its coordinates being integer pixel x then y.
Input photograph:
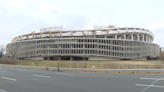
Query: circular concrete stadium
{"type": "Point", "coordinates": [109, 43]}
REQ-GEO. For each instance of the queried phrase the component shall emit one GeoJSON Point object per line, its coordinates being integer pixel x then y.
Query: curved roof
{"type": "Point", "coordinates": [122, 32]}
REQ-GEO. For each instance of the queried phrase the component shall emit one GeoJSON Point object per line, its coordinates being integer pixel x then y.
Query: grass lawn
{"type": "Point", "coordinates": [97, 64]}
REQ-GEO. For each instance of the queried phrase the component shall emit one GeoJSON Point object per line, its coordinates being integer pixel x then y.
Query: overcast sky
{"type": "Point", "coordinates": [18, 17]}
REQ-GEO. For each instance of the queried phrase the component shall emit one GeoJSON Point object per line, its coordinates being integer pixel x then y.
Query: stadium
{"type": "Point", "coordinates": [101, 43]}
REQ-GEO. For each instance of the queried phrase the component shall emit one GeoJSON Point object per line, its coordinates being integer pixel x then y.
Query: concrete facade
{"type": "Point", "coordinates": [35, 58]}
{"type": "Point", "coordinates": [101, 44]}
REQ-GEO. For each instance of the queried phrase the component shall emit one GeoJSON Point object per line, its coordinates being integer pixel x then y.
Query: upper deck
{"type": "Point", "coordinates": [138, 34]}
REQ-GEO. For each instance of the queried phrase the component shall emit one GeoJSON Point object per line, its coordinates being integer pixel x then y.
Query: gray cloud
{"type": "Point", "coordinates": [27, 16]}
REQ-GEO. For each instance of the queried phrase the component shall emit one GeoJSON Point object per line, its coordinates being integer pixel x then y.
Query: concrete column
{"type": "Point", "coordinates": [147, 38]}
{"type": "Point", "coordinates": [105, 36]}
{"type": "Point", "coordinates": [71, 58]}
{"type": "Point", "coordinates": [131, 36]}
{"type": "Point", "coordinates": [138, 36]}
{"type": "Point", "coordinates": [83, 59]}
{"type": "Point", "coordinates": [124, 36]}
{"type": "Point", "coordinates": [115, 36]}
{"type": "Point", "coordinates": [59, 58]}
{"type": "Point", "coordinates": [142, 37]}
{"type": "Point", "coordinates": [83, 48]}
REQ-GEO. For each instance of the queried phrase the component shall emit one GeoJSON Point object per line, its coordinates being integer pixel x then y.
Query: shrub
{"type": "Point", "coordinates": [6, 60]}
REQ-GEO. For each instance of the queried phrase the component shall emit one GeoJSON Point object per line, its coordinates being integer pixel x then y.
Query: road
{"type": "Point", "coordinates": [24, 80]}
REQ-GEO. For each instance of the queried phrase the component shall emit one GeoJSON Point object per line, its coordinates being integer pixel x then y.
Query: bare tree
{"type": "Point", "coordinates": [2, 49]}
{"type": "Point", "coordinates": [12, 50]}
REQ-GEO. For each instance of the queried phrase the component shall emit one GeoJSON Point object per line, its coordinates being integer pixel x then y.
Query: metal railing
{"type": "Point", "coordinates": [83, 69]}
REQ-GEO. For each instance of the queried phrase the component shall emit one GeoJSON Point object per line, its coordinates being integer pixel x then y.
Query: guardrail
{"type": "Point", "coordinates": [83, 69]}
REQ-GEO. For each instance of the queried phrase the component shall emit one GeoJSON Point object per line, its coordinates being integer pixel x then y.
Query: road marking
{"type": "Point", "coordinates": [2, 90]}
{"type": "Point", "coordinates": [41, 76]}
{"type": "Point", "coordinates": [21, 70]}
{"type": "Point", "coordinates": [151, 78]}
{"type": "Point", "coordinates": [149, 85]}
{"type": "Point", "coordinates": [2, 71]}
{"type": "Point", "coordinates": [152, 85]}
{"type": "Point", "coordinates": [65, 74]}
{"type": "Point", "coordinates": [9, 78]}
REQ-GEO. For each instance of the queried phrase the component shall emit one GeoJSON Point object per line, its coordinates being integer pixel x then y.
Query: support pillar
{"type": "Point", "coordinates": [149, 39]}
{"type": "Point", "coordinates": [146, 38]}
{"type": "Point", "coordinates": [83, 49]}
{"type": "Point", "coordinates": [142, 37]}
{"type": "Point", "coordinates": [59, 58]}
{"type": "Point", "coordinates": [131, 36]}
{"type": "Point", "coordinates": [83, 59]}
{"type": "Point", "coordinates": [124, 36]}
{"type": "Point", "coordinates": [115, 36]}
{"type": "Point", "coordinates": [48, 58]}
{"type": "Point", "coordinates": [138, 36]}
{"type": "Point", "coordinates": [71, 58]}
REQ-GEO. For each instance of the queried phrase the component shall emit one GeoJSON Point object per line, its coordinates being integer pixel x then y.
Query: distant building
{"type": "Point", "coordinates": [109, 43]}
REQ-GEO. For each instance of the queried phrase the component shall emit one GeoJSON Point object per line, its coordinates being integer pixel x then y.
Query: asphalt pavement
{"type": "Point", "coordinates": [24, 80]}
